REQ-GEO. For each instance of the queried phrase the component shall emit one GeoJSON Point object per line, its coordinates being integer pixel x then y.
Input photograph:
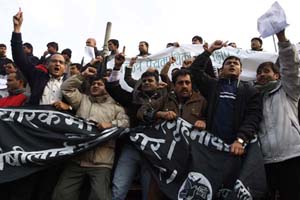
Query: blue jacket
{"type": "Point", "coordinates": [246, 113]}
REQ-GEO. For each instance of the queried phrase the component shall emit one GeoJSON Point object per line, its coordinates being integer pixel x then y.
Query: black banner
{"type": "Point", "coordinates": [187, 163]}
{"type": "Point", "coordinates": [192, 164]}
{"type": "Point", "coordinates": [33, 138]}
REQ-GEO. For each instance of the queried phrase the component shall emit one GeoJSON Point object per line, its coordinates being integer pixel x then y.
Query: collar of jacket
{"type": "Point", "coordinates": [230, 81]}
{"type": "Point", "coordinates": [194, 97]}
{"type": "Point", "coordinates": [278, 86]}
{"type": "Point", "coordinates": [16, 92]}
{"type": "Point", "coordinates": [100, 99]}
{"type": "Point", "coordinates": [58, 78]}
{"type": "Point", "coordinates": [155, 95]}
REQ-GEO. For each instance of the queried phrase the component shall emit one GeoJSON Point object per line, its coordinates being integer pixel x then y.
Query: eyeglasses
{"type": "Point", "coordinates": [55, 61]}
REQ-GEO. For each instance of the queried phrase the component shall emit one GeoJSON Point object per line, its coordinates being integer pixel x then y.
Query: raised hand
{"type": "Point", "coordinates": [281, 36]}
{"type": "Point", "coordinates": [89, 72]}
{"type": "Point", "coordinates": [119, 60]}
{"type": "Point", "coordinates": [172, 60]}
{"type": "Point", "coordinates": [18, 20]}
{"type": "Point", "coordinates": [218, 44]}
{"type": "Point", "coordinates": [132, 61]}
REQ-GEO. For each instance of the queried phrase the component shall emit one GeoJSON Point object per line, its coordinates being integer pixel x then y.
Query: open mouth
{"type": "Point", "coordinates": [56, 69]}
{"type": "Point", "coordinates": [262, 80]}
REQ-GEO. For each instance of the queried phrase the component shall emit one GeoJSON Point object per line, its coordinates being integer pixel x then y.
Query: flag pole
{"type": "Point", "coordinates": [274, 42]}
{"type": "Point", "coordinates": [106, 38]}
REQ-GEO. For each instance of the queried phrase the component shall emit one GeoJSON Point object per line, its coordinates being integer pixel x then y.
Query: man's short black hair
{"type": "Point", "coordinates": [12, 62]}
{"type": "Point", "coordinates": [273, 66]}
{"type": "Point", "coordinates": [180, 72]}
{"type": "Point", "coordinates": [115, 42]}
{"type": "Point", "coordinates": [258, 39]}
{"type": "Point", "coordinates": [3, 45]}
{"type": "Point", "coordinates": [197, 37]}
{"type": "Point", "coordinates": [28, 45]}
{"type": "Point", "coordinates": [67, 52]}
{"type": "Point", "coordinates": [53, 44]}
{"type": "Point", "coordinates": [170, 44]}
{"type": "Point", "coordinates": [77, 65]}
{"type": "Point", "coordinates": [146, 43]}
{"type": "Point", "coordinates": [20, 76]}
{"type": "Point", "coordinates": [232, 57]}
{"type": "Point", "coordinates": [154, 74]}
{"type": "Point", "coordinates": [95, 78]}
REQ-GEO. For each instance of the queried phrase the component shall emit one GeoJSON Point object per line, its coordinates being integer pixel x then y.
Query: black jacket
{"type": "Point", "coordinates": [37, 79]}
{"type": "Point", "coordinates": [247, 110]}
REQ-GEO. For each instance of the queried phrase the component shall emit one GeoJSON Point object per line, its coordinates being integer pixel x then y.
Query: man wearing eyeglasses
{"type": "Point", "coordinates": [45, 87]}
{"type": "Point", "coordinates": [45, 90]}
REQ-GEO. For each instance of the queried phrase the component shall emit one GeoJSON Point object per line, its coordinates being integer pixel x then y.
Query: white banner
{"type": "Point", "coordinates": [250, 60]}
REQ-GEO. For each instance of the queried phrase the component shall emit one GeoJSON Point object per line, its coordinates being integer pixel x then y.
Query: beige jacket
{"type": "Point", "coordinates": [98, 109]}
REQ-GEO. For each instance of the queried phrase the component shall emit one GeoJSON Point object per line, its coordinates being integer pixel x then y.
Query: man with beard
{"type": "Point", "coordinates": [182, 102]}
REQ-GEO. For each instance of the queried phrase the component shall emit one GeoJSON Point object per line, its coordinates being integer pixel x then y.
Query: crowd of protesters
{"type": "Point", "coordinates": [218, 101]}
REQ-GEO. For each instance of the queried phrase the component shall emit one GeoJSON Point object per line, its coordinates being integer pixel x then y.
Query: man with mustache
{"type": "Point", "coordinates": [45, 90]}
{"type": "Point", "coordinates": [183, 102]}
{"type": "Point", "coordinates": [45, 87]}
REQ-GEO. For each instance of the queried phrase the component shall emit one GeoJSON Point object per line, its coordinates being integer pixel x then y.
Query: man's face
{"type": "Point", "coordinates": [26, 50]}
{"type": "Point", "coordinates": [2, 51]}
{"type": "Point", "coordinates": [51, 49]}
{"type": "Point", "coordinates": [67, 58]}
{"type": "Point", "coordinates": [9, 68]}
{"type": "Point", "coordinates": [149, 83]}
{"type": "Point", "coordinates": [255, 45]}
{"type": "Point", "coordinates": [13, 83]}
{"type": "Point", "coordinates": [143, 48]}
{"type": "Point", "coordinates": [56, 65]}
{"type": "Point", "coordinates": [74, 70]}
{"type": "Point", "coordinates": [231, 68]}
{"type": "Point", "coordinates": [265, 75]}
{"type": "Point", "coordinates": [97, 88]}
{"type": "Point", "coordinates": [112, 47]}
{"type": "Point", "coordinates": [196, 41]}
{"type": "Point", "coordinates": [183, 87]}
{"type": "Point", "coordinates": [90, 42]}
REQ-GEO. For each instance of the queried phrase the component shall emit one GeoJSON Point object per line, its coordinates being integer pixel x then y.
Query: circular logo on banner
{"type": "Point", "coordinates": [195, 187]}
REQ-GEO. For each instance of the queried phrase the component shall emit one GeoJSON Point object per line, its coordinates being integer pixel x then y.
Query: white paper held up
{"type": "Point", "coordinates": [273, 21]}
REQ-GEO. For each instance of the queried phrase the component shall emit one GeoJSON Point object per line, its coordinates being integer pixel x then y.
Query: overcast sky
{"type": "Point", "coordinates": [71, 22]}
